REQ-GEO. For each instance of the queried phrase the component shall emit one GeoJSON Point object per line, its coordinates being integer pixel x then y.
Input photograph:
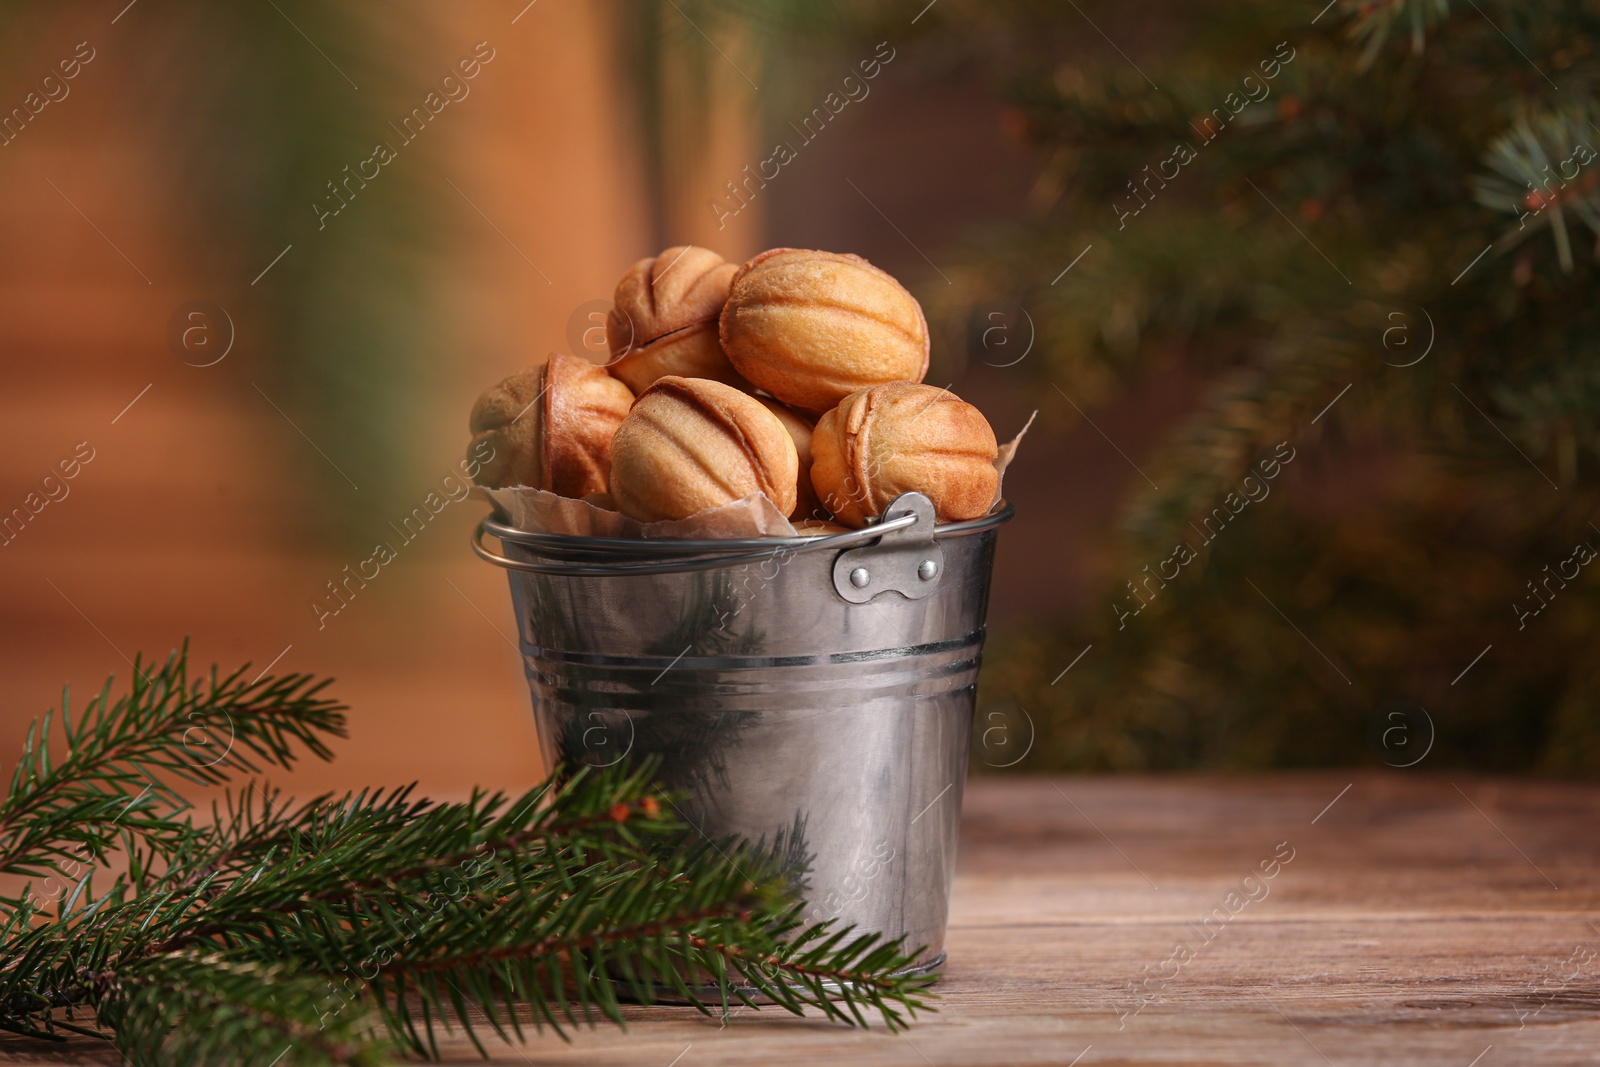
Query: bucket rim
{"type": "Point", "coordinates": [562, 544]}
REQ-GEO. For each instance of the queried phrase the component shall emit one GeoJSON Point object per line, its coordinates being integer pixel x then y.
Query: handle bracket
{"type": "Point", "coordinates": [905, 560]}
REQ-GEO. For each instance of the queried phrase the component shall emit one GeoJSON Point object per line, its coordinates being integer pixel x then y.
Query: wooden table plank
{"type": "Point", "coordinates": [1420, 920]}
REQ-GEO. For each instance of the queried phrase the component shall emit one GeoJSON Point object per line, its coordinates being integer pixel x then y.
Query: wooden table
{"type": "Point", "coordinates": [1407, 920]}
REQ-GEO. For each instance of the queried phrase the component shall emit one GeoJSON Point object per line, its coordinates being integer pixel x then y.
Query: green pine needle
{"type": "Point", "coordinates": [344, 929]}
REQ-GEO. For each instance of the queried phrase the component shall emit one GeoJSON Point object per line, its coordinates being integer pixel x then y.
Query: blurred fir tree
{"type": "Point", "coordinates": [1397, 200]}
{"type": "Point", "coordinates": [253, 112]}
{"type": "Point", "coordinates": [262, 110]}
{"type": "Point", "coordinates": [1386, 207]}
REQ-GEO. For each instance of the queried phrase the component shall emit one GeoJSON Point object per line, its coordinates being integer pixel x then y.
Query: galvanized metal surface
{"type": "Point", "coordinates": [831, 731]}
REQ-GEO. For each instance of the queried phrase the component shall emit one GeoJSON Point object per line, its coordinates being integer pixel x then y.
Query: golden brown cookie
{"type": "Point", "coordinates": [550, 427]}
{"type": "Point", "coordinates": [664, 317]}
{"type": "Point", "coordinates": [806, 505]}
{"type": "Point", "coordinates": [690, 444]}
{"type": "Point", "coordinates": [901, 438]}
{"type": "Point", "coordinates": [812, 327]}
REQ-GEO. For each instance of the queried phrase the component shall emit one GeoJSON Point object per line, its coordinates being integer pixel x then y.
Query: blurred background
{"type": "Point", "coordinates": [1302, 294]}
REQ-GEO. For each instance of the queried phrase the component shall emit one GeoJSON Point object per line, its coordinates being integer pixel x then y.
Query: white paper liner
{"type": "Point", "coordinates": [538, 511]}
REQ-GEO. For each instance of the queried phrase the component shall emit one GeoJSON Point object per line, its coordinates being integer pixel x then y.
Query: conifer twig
{"type": "Point", "coordinates": [341, 929]}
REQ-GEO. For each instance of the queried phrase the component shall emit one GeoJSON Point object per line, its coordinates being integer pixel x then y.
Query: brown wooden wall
{"type": "Point", "coordinates": [187, 519]}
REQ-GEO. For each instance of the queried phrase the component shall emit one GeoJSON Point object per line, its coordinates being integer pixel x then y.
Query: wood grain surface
{"type": "Point", "coordinates": [1418, 920]}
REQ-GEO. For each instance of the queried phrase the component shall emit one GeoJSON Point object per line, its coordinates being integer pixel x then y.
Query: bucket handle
{"type": "Point", "coordinates": [581, 570]}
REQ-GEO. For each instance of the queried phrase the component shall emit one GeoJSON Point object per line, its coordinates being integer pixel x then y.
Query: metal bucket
{"type": "Point", "coordinates": [814, 694]}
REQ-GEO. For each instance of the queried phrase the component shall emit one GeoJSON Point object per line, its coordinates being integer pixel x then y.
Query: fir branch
{"type": "Point", "coordinates": [563, 947]}
{"type": "Point", "coordinates": [252, 1014]}
{"type": "Point", "coordinates": [313, 863]}
{"type": "Point", "coordinates": [329, 931]}
{"type": "Point", "coordinates": [1372, 24]}
{"type": "Point", "coordinates": [118, 755]}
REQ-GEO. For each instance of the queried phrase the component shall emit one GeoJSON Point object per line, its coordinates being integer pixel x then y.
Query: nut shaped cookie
{"type": "Point", "coordinates": [900, 438]}
{"type": "Point", "coordinates": [690, 444]}
{"type": "Point", "coordinates": [550, 427]}
{"type": "Point", "coordinates": [800, 428]}
{"type": "Point", "coordinates": [664, 317]}
{"type": "Point", "coordinates": [812, 327]}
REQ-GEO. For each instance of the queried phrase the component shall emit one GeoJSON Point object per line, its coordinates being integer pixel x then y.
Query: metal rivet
{"type": "Point", "coordinates": [928, 570]}
{"type": "Point", "coordinates": [859, 577]}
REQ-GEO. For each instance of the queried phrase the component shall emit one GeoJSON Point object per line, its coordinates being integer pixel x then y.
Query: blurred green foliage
{"type": "Point", "coordinates": [258, 107]}
{"type": "Point", "coordinates": [1392, 198]}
